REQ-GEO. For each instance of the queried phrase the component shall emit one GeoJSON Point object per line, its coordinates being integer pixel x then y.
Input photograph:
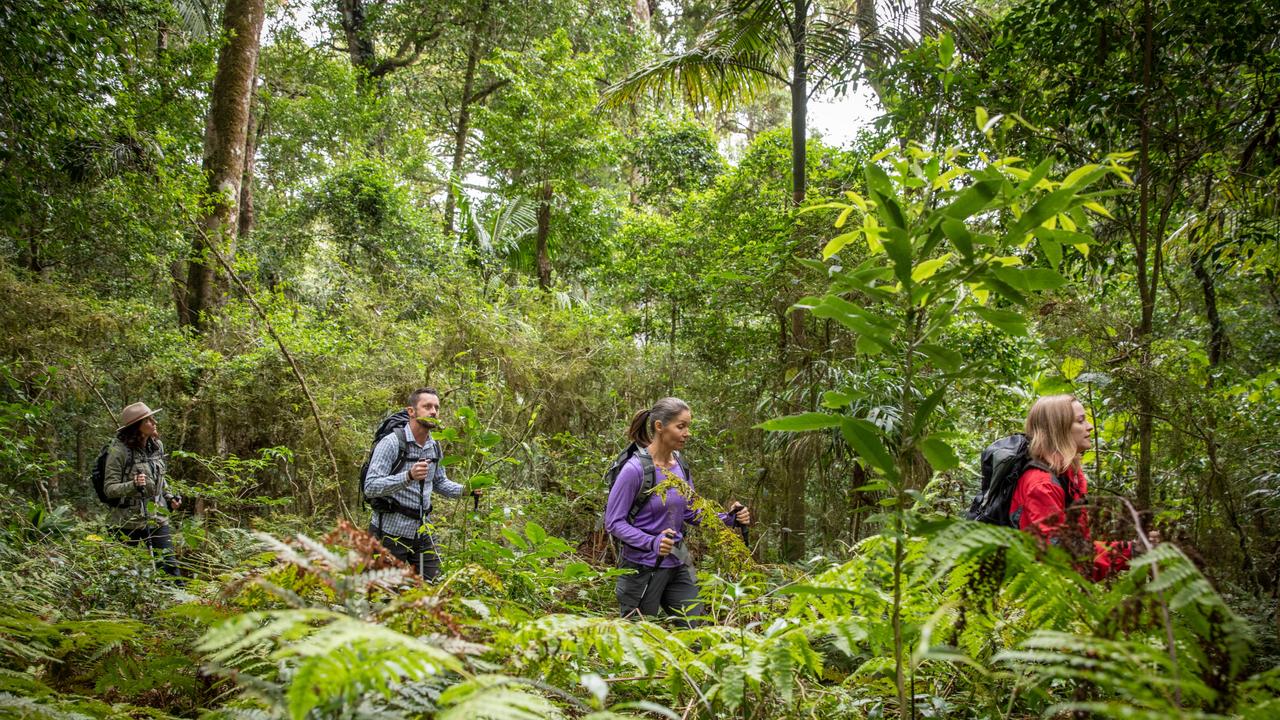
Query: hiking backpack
{"type": "Point", "coordinates": [648, 480]}
{"type": "Point", "coordinates": [98, 476]}
{"type": "Point", "coordinates": [395, 422]}
{"type": "Point", "coordinates": [1003, 463]}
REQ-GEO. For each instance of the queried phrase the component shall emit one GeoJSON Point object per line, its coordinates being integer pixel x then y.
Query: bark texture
{"type": "Point", "coordinates": [224, 153]}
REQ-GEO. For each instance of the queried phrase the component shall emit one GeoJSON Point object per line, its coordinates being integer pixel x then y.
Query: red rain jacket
{"type": "Point", "coordinates": [1038, 507]}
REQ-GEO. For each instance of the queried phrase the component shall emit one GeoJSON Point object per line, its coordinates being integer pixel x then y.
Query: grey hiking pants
{"type": "Point", "coordinates": [673, 590]}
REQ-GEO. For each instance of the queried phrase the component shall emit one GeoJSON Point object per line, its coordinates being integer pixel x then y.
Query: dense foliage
{"type": "Point", "coordinates": [559, 211]}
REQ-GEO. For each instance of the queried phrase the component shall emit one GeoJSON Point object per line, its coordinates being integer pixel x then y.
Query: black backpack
{"type": "Point", "coordinates": [1003, 463]}
{"type": "Point", "coordinates": [648, 479]}
{"type": "Point", "coordinates": [98, 476]}
{"type": "Point", "coordinates": [395, 422]}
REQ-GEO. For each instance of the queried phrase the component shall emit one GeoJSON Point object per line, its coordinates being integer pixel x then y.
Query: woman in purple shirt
{"type": "Point", "coordinates": [651, 530]}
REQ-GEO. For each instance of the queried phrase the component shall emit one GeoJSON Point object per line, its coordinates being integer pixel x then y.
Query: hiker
{"type": "Point", "coordinates": [399, 489]}
{"type": "Point", "coordinates": [650, 527]}
{"type": "Point", "coordinates": [133, 475]}
{"type": "Point", "coordinates": [1058, 433]}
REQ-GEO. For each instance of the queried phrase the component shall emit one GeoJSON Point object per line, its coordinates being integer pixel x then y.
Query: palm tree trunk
{"type": "Point", "coordinates": [799, 101]}
{"type": "Point", "coordinates": [544, 232]}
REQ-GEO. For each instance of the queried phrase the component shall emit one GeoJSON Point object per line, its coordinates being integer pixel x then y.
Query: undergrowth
{"type": "Point", "coordinates": [521, 627]}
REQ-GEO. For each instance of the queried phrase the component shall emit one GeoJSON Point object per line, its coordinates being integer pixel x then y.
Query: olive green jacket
{"type": "Point", "coordinates": [117, 482]}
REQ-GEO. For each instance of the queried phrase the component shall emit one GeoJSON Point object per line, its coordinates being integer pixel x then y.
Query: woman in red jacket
{"type": "Point", "coordinates": [1052, 489]}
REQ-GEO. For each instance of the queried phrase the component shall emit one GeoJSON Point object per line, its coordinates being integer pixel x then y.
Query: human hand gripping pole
{"type": "Point", "coordinates": [142, 503]}
{"type": "Point", "coordinates": [742, 529]}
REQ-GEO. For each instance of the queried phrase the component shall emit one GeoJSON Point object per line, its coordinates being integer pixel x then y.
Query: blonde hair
{"type": "Point", "coordinates": [1049, 432]}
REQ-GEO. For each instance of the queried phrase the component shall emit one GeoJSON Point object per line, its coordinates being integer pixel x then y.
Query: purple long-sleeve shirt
{"type": "Point", "coordinates": [640, 537]}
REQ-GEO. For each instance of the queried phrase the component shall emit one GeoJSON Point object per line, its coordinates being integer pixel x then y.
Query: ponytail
{"type": "Point", "coordinates": [638, 431]}
{"type": "Point", "coordinates": [643, 424]}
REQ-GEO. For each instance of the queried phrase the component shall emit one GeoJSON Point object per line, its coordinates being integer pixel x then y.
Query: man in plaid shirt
{"type": "Point", "coordinates": [400, 489]}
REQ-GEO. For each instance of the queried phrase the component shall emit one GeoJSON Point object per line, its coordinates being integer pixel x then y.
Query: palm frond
{"type": "Point", "coordinates": [700, 75]}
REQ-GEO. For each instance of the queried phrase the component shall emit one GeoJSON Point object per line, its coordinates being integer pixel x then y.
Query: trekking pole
{"type": "Point", "coordinates": [652, 571]}
{"type": "Point", "coordinates": [146, 521]}
{"type": "Point", "coordinates": [422, 521]}
{"type": "Point", "coordinates": [743, 530]}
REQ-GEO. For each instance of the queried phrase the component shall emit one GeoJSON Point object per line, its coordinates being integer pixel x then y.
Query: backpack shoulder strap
{"type": "Point", "coordinates": [1062, 481]}
{"type": "Point", "coordinates": [683, 468]}
{"type": "Point", "coordinates": [648, 478]}
{"type": "Point", "coordinates": [402, 450]}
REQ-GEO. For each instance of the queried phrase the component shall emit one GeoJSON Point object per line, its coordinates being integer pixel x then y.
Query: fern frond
{"type": "Point", "coordinates": [494, 697]}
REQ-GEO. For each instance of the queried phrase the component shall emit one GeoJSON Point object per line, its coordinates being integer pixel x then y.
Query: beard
{"type": "Point", "coordinates": [428, 423]}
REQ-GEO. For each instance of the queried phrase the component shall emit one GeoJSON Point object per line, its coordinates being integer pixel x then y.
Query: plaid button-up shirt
{"type": "Point", "coordinates": [400, 487]}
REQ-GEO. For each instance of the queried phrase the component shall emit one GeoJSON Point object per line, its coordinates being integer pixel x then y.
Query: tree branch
{"type": "Point", "coordinates": [297, 373]}
{"type": "Point", "coordinates": [409, 52]}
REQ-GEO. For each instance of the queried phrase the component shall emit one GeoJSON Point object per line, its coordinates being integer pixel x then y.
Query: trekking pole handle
{"type": "Point", "coordinates": [742, 529]}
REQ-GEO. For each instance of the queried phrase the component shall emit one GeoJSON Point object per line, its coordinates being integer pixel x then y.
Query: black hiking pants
{"type": "Point", "coordinates": [158, 541]}
{"type": "Point", "coordinates": [673, 590]}
{"type": "Point", "coordinates": [413, 551]}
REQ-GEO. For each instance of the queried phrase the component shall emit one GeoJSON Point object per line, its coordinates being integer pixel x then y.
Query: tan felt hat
{"type": "Point", "coordinates": [134, 413]}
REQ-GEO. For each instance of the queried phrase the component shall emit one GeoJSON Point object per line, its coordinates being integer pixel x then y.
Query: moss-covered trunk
{"type": "Point", "coordinates": [224, 153]}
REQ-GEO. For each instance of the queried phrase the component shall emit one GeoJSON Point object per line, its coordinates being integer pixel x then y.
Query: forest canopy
{"type": "Point", "coordinates": [272, 223]}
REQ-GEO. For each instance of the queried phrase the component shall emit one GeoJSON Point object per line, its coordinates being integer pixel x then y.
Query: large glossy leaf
{"type": "Point", "coordinates": [864, 438]}
{"type": "Point", "coordinates": [1010, 322]}
{"type": "Point", "coordinates": [971, 200]}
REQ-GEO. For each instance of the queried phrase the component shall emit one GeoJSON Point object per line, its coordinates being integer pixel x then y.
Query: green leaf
{"type": "Point", "coordinates": [972, 199]}
{"type": "Point", "coordinates": [1011, 323]}
{"type": "Point", "coordinates": [1084, 176]}
{"type": "Point", "coordinates": [535, 532]}
{"type": "Point", "coordinates": [867, 345]}
{"type": "Point", "coordinates": [479, 481]}
{"type": "Point", "coordinates": [514, 539]}
{"type": "Point", "coordinates": [925, 411]}
{"type": "Point", "coordinates": [993, 282]}
{"type": "Point", "coordinates": [448, 460]}
{"type": "Point", "coordinates": [886, 201]}
{"type": "Point", "coordinates": [864, 438]}
{"type": "Point", "coordinates": [939, 453]}
{"type": "Point", "coordinates": [801, 423]}
{"type": "Point", "coordinates": [929, 268]}
{"type": "Point", "coordinates": [1045, 208]}
{"type": "Point", "coordinates": [835, 399]}
{"type": "Point", "coordinates": [899, 249]}
{"type": "Point", "coordinates": [1030, 279]}
{"type": "Point", "coordinates": [853, 317]}
{"type": "Point", "coordinates": [945, 359]}
{"type": "Point", "coordinates": [1035, 177]}
{"type": "Point", "coordinates": [960, 236]}
{"type": "Point", "coordinates": [1071, 367]}
{"type": "Point", "coordinates": [1052, 252]}
{"type": "Point", "coordinates": [837, 243]}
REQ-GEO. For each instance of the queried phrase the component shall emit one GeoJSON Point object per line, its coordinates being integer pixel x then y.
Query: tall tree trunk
{"type": "Point", "coordinates": [799, 101]}
{"type": "Point", "coordinates": [1147, 284]}
{"type": "Point", "coordinates": [1217, 331]}
{"type": "Point", "coordinates": [360, 46]}
{"type": "Point", "coordinates": [544, 232]}
{"type": "Point", "coordinates": [247, 217]}
{"type": "Point", "coordinates": [924, 11]}
{"type": "Point", "coordinates": [868, 34]}
{"type": "Point", "coordinates": [463, 126]}
{"type": "Point", "coordinates": [796, 462]}
{"type": "Point", "coordinates": [224, 152]}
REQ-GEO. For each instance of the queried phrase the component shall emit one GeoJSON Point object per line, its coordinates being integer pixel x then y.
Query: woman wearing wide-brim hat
{"type": "Point", "coordinates": [134, 478]}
